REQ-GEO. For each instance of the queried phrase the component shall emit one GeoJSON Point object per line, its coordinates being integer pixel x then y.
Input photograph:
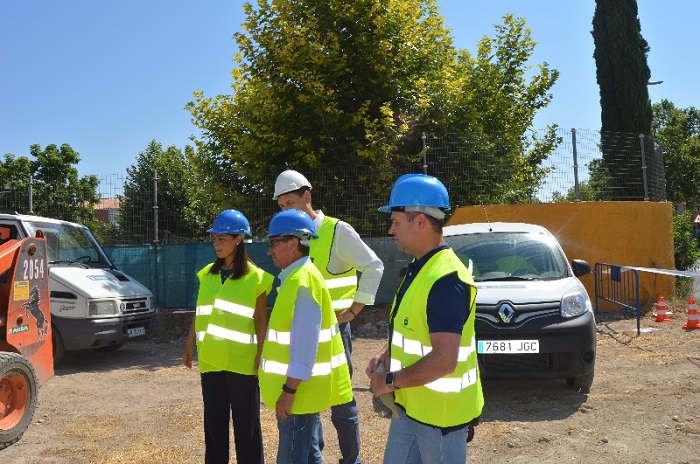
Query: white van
{"type": "Point", "coordinates": [93, 304]}
{"type": "Point", "coordinates": [534, 319]}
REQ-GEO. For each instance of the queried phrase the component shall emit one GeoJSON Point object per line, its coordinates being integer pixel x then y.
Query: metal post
{"type": "Point", "coordinates": [644, 167]}
{"type": "Point", "coordinates": [576, 186]}
{"type": "Point", "coordinates": [425, 157]}
{"type": "Point", "coordinates": [31, 195]}
{"type": "Point", "coordinates": [155, 207]}
{"type": "Point", "coordinates": [155, 236]}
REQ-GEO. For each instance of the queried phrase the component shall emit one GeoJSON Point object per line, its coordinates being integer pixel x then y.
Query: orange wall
{"type": "Point", "coordinates": [622, 233]}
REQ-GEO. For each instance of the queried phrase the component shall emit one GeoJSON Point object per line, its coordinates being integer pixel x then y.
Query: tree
{"type": "Point", "coordinates": [57, 191]}
{"type": "Point", "coordinates": [623, 75]}
{"type": "Point", "coordinates": [496, 99]}
{"type": "Point", "coordinates": [320, 86]}
{"type": "Point", "coordinates": [136, 216]}
{"type": "Point", "coordinates": [677, 133]}
{"type": "Point", "coordinates": [322, 83]}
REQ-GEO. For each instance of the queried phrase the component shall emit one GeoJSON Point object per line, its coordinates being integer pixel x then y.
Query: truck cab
{"type": "Point", "coordinates": [93, 304]}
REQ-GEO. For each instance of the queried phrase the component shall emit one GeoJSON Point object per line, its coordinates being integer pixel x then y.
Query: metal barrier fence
{"type": "Point", "coordinates": [619, 286]}
{"type": "Point", "coordinates": [476, 168]}
{"type": "Point", "coordinates": [169, 271]}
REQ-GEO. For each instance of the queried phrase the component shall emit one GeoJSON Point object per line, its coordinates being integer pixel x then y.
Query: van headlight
{"type": "Point", "coordinates": [102, 308]}
{"type": "Point", "coordinates": [574, 303]}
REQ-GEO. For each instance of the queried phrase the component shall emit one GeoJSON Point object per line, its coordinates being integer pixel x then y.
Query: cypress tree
{"type": "Point", "coordinates": [623, 75]}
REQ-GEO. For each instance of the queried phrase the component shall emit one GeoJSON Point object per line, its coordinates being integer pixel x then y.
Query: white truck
{"type": "Point", "coordinates": [93, 304]}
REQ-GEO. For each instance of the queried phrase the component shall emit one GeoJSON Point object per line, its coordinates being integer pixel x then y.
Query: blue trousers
{"type": "Point", "coordinates": [296, 436]}
{"type": "Point", "coordinates": [345, 418]}
{"type": "Point", "coordinates": [412, 442]}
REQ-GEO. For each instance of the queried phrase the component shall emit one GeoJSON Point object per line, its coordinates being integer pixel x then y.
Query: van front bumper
{"type": "Point", "coordinates": [83, 334]}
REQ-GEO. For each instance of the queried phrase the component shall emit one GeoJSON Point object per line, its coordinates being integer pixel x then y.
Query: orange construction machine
{"type": "Point", "coordinates": [26, 359]}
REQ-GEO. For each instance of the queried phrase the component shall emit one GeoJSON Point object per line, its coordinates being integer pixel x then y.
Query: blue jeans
{"type": "Point", "coordinates": [296, 436]}
{"type": "Point", "coordinates": [345, 418]}
{"type": "Point", "coordinates": [411, 442]}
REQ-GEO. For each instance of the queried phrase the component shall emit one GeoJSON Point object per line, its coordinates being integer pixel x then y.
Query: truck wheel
{"type": "Point", "coordinates": [582, 384]}
{"type": "Point", "coordinates": [59, 348]}
{"type": "Point", "coordinates": [18, 397]}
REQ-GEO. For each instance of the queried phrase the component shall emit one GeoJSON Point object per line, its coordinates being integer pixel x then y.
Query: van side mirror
{"type": "Point", "coordinates": [580, 267]}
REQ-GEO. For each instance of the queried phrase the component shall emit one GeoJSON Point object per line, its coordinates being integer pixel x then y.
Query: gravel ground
{"type": "Point", "coordinates": [140, 405]}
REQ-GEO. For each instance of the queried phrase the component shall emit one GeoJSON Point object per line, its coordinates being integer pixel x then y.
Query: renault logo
{"type": "Point", "coordinates": [506, 312]}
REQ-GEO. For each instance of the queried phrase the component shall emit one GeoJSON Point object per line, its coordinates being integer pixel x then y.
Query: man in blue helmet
{"type": "Point", "coordinates": [339, 253]}
{"type": "Point", "coordinates": [429, 362]}
{"type": "Point", "coordinates": [303, 369]}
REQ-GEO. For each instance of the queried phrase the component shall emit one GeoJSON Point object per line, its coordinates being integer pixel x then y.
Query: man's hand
{"type": "Point", "coordinates": [344, 316]}
{"type": "Point", "coordinates": [349, 314]}
{"type": "Point", "coordinates": [381, 358]}
{"type": "Point", "coordinates": [377, 382]}
{"type": "Point", "coordinates": [283, 408]}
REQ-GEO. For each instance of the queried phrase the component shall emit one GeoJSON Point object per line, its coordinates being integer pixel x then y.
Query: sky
{"type": "Point", "coordinates": [107, 77]}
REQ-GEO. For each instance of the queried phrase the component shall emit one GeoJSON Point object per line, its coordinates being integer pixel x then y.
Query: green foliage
{"type": "Point", "coordinates": [677, 132]}
{"type": "Point", "coordinates": [621, 67]}
{"type": "Point", "coordinates": [57, 191]}
{"type": "Point", "coordinates": [326, 84]}
{"type": "Point", "coordinates": [623, 75]}
{"type": "Point", "coordinates": [595, 189]}
{"type": "Point", "coordinates": [686, 252]}
{"type": "Point", "coordinates": [495, 101]}
{"type": "Point", "coordinates": [136, 217]}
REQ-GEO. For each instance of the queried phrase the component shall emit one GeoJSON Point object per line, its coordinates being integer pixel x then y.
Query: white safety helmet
{"type": "Point", "coordinates": [290, 181]}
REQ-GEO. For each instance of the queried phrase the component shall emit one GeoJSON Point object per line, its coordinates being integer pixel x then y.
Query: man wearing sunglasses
{"type": "Point", "coordinates": [339, 253]}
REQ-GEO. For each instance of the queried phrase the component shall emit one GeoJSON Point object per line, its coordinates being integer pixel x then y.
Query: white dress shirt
{"type": "Point", "coordinates": [348, 250]}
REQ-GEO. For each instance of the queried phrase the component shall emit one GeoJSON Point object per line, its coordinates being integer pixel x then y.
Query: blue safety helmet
{"type": "Point", "coordinates": [230, 222]}
{"type": "Point", "coordinates": [417, 190]}
{"type": "Point", "coordinates": [292, 222]}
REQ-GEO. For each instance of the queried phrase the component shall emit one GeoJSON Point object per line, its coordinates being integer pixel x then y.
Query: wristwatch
{"type": "Point", "coordinates": [390, 381]}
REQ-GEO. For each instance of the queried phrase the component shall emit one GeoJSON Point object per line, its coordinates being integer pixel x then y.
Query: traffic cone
{"type": "Point", "coordinates": [693, 321]}
{"type": "Point", "coordinates": [661, 315]}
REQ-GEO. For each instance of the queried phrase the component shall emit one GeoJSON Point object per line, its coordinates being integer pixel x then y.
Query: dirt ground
{"type": "Point", "coordinates": [140, 405]}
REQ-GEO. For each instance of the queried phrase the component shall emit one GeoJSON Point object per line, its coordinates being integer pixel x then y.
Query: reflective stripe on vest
{"type": "Point", "coordinates": [329, 384]}
{"type": "Point", "coordinates": [204, 310]}
{"type": "Point", "coordinates": [342, 286]}
{"type": "Point", "coordinates": [417, 348]}
{"type": "Point", "coordinates": [456, 398]}
{"type": "Point", "coordinates": [232, 335]}
{"type": "Point", "coordinates": [234, 308]}
{"type": "Point", "coordinates": [319, 369]}
{"type": "Point", "coordinates": [284, 338]}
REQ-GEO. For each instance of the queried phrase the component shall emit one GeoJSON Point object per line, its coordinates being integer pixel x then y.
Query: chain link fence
{"type": "Point", "coordinates": [585, 166]}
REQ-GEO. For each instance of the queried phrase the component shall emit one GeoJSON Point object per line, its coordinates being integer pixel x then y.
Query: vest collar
{"type": "Point", "coordinates": [288, 270]}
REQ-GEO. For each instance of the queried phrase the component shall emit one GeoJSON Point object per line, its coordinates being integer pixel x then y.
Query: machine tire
{"type": "Point", "coordinates": [59, 348]}
{"type": "Point", "coordinates": [18, 396]}
{"type": "Point", "coordinates": [581, 384]}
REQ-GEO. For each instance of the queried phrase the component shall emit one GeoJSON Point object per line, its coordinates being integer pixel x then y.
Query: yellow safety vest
{"type": "Point", "coordinates": [330, 379]}
{"type": "Point", "coordinates": [230, 342]}
{"type": "Point", "coordinates": [342, 286]}
{"type": "Point", "coordinates": [456, 398]}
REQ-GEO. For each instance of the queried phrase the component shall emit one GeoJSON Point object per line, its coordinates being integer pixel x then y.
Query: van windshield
{"type": "Point", "coordinates": [70, 244]}
{"type": "Point", "coordinates": [510, 256]}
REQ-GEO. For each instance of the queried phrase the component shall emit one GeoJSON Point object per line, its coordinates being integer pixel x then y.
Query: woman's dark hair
{"type": "Point", "coordinates": [240, 263]}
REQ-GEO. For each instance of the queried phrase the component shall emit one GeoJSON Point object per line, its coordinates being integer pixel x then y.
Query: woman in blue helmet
{"type": "Point", "coordinates": [228, 330]}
